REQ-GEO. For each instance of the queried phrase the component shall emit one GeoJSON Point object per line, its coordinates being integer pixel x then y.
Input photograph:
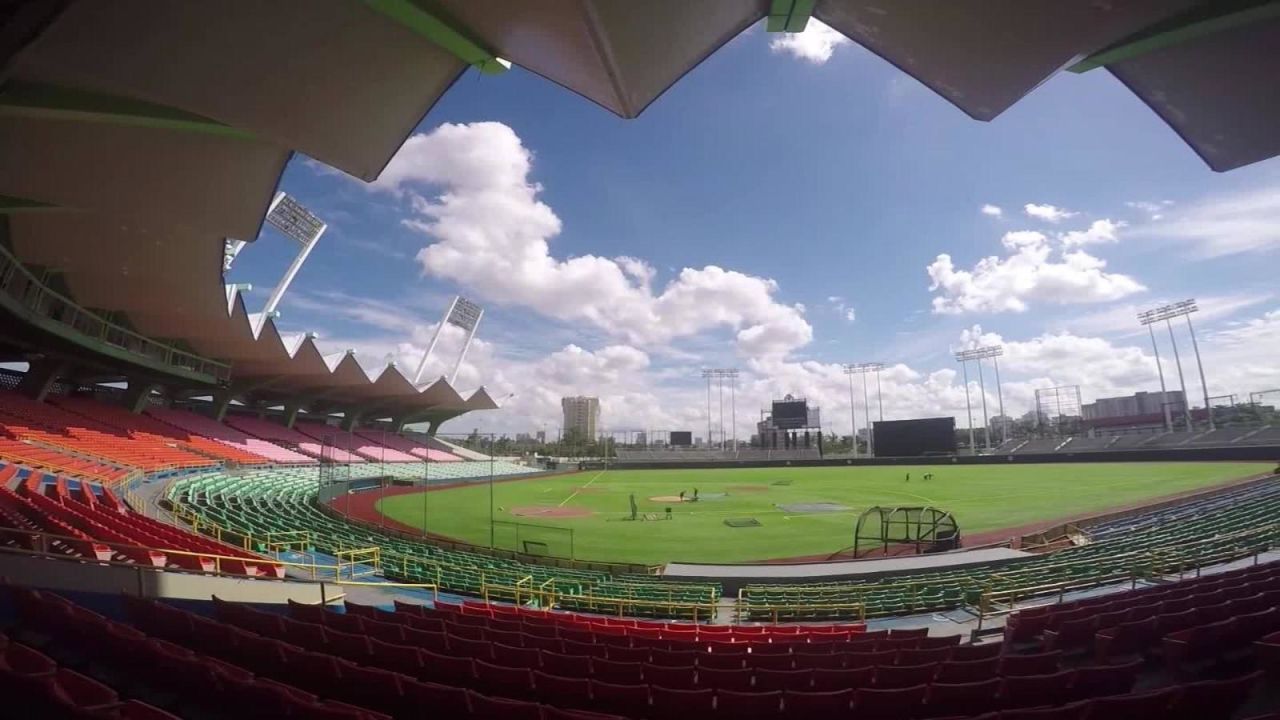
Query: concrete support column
{"type": "Point", "coordinates": [221, 401]}
{"type": "Point", "coordinates": [40, 377]}
{"type": "Point", "coordinates": [291, 414]}
{"type": "Point", "coordinates": [349, 420]}
{"type": "Point", "coordinates": [137, 395]}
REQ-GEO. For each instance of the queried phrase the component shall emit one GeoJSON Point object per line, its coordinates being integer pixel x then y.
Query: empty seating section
{"type": "Point", "coordinates": [358, 443]}
{"type": "Point", "coordinates": [290, 438]}
{"type": "Point", "coordinates": [42, 458]}
{"type": "Point", "coordinates": [1200, 532]}
{"type": "Point", "coordinates": [282, 500]}
{"type": "Point", "coordinates": [1039, 446]}
{"type": "Point", "coordinates": [90, 521]}
{"type": "Point", "coordinates": [201, 426]}
{"type": "Point", "coordinates": [405, 446]}
{"type": "Point", "coordinates": [491, 663]}
{"type": "Point", "coordinates": [24, 418]}
{"type": "Point", "coordinates": [1190, 620]}
{"type": "Point", "coordinates": [143, 427]}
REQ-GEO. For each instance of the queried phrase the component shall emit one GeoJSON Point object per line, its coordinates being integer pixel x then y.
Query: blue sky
{"type": "Point", "coordinates": [784, 211]}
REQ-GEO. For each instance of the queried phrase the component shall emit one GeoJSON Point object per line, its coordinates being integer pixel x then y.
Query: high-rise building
{"type": "Point", "coordinates": [581, 416]}
{"type": "Point", "coordinates": [1139, 403]}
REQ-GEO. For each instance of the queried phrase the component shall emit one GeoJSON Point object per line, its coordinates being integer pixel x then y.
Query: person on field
{"type": "Point", "coordinates": [633, 506]}
{"type": "Point", "coordinates": [908, 477]}
{"type": "Point", "coordinates": [695, 494]}
{"type": "Point", "coordinates": [681, 496]}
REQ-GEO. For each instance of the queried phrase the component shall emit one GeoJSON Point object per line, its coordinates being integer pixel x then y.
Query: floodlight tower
{"type": "Point", "coordinates": [863, 369]}
{"type": "Point", "coordinates": [1166, 313]}
{"type": "Point", "coordinates": [296, 223]}
{"type": "Point", "coordinates": [980, 354]}
{"type": "Point", "coordinates": [720, 374]}
{"type": "Point", "coordinates": [962, 358]}
{"type": "Point", "coordinates": [464, 314]}
{"type": "Point", "coordinates": [850, 370]}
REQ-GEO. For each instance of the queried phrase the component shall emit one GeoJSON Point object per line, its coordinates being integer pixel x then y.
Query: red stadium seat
{"type": "Point", "coordinates": [973, 698]}
{"type": "Point", "coordinates": [1022, 691]}
{"type": "Point", "coordinates": [1213, 699]}
{"type": "Point", "coordinates": [569, 692]}
{"type": "Point", "coordinates": [888, 704]}
{"type": "Point", "coordinates": [902, 676]}
{"type": "Point", "coordinates": [627, 700]}
{"type": "Point", "coordinates": [808, 705]}
{"type": "Point", "coordinates": [1154, 704]}
{"type": "Point", "coordinates": [788, 680]}
{"type": "Point", "coordinates": [960, 671]}
{"type": "Point", "coordinates": [748, 705]}
{"type": "Point", "coordinates": [674, 703]}
{"type": "Point", "coordinates": [825, 680]}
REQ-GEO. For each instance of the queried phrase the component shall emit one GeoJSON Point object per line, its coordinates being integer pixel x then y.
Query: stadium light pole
{"type": "Point", "coordinates": [720, 374]}
{"type": "Point", "coordinates": [1147, 318]}
{"type": "Point", "coordinates": [1004, 419]}
{"type": "Point", "coordinates": [849, 370]}
{"type": "Point", "coordinates": [863, 369]}
{"type": "Point", "coordinates": [1167, 313]}
{"type": "Point", "coordinates": [298, 224]}
{"type": "Point", "coordinates": [1188, 307]}
{"type": "Point", "coordinates": [968, 405]}
{"type": "Point", "coordinates": [979, 354]}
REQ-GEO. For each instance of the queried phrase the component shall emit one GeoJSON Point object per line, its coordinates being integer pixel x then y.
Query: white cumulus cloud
{"type": "Point", "coordinates": [1098, 233]}
{"type": "Point", "coordinates": [491, 234]}
{"type": "Point", "coordinates": [1048, 213]}
{"type": "Point", "coordinates": [992, 210]}
{"type": "Point", "coordinates": [816, 44]}
{"type": "Point", "coordinates": [1032, 270]}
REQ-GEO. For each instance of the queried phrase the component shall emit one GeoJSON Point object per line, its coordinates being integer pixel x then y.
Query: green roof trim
{"type": "Point", "coordinates": [1212, 18]}
{"type": "Point", "coordinates": [55, 102]}
{"type": "Point", "coordinates": [414, 17]}
{"type": "Point", "coordinates": [789, 15]}
{"type": "Point", "coordinates": [10, 204]}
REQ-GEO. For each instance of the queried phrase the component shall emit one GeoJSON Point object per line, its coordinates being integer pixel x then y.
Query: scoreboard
{"type": "Point", "coordinates": [912, 438]}
{"type": "Point", "coordinates": [681, 438]}
{"type": "Point", "coordinates": [790, 414]}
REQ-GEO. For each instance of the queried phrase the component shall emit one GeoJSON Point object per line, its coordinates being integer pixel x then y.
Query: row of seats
{"type": "Point", "coordinates": [405, 445]}
{"type": "Point", "coordinates": [1224, 609]}
{"type": "Point", "coordinates": [510, 617]}
{"type": "Point", "coordinates": [1206, 532]}
{"type": "Point", "coordinates": [196, 680]}
{"type": "Point", "coordinates": [107, 530]}
{"type": "Point", "coordinates": [260, 502]}
{"type": "Point", "coordinates": [890, 691]}
{"type": "Point", "coordinates": [35, 457]}
{"type": "Point", "coordinates": [195, 425]}
{"type": "Point", "coordinates": [579, 649]}
{"type": "Point", "coordinates": [145, 428]}
{"type": "Point", "coordinates": [46, 690]}
{"type": "Point", "coordinates": [24, 418]}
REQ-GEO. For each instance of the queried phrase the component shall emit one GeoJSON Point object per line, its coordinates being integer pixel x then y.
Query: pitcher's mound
{"type": "Point", "coordinates": [542, 511]}
{"type": "Point", "coordinates": [670, 498]}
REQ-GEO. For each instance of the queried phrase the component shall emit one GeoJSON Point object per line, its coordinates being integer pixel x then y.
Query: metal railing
{"type": "Point", "coordinates": [524, 592]}
{"type": "Point", "coordinates": [46, 307]}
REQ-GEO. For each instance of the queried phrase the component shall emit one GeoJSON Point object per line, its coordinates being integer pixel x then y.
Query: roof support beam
{"type": "Point", "coordinates": [412, 16]}
{"type": "Point", "coordinates": [53, 102]}
{"type": "Point", "coordinates": [1206, 20]}
{"type": "Point", "coordinates": [789, 15]}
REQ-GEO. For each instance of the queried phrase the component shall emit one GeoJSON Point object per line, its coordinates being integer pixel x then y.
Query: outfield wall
{"type": "Point", "coordinates": [1263, 453]}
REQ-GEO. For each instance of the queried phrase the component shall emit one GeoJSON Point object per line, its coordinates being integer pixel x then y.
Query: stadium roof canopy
{"type": "Point", "coordinates": [136, 135]}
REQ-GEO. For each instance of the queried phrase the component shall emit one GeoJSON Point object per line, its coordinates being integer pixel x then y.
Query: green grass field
{"type": "Point", "coordinates": [982, 498]}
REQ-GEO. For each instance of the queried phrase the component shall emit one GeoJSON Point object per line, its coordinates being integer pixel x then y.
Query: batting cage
{"type": "Point", "coordinates": [904, 530]}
